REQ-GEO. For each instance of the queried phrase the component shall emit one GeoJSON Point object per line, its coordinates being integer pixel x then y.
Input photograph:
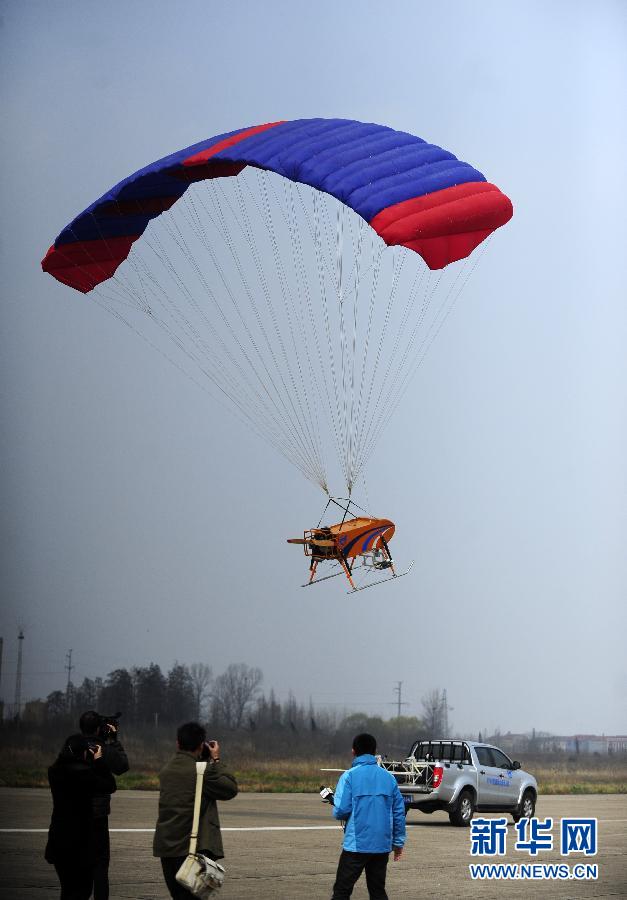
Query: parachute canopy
{"type": "Point", "coordinates": [306, 292]}
{"type": "Point", "coordinates": [412, 193]}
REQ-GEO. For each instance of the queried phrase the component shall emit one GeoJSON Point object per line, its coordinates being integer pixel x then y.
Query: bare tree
{"type": "Point", "coordinates": [202, 676]}
{"type": "Point", "coordinates": [434, 713]}
{"type": "Point", "coordinates": [233, 692]}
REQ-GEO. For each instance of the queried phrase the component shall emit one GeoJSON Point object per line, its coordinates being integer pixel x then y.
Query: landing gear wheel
{"type": "Point", "coordinates": [463, 811]}
{"type": "Point", "coordinates": [527, 807]}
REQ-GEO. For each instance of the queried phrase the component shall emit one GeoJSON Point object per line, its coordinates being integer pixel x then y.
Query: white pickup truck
{"type": "Point", "coordinates": [461, 777]}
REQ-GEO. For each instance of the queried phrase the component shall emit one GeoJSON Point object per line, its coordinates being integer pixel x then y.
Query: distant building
{"type": "Point", "coordinates": [547, 743]}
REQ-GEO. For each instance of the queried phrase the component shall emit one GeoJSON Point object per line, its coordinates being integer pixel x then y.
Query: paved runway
{"type": "Point", "coordinates": [285, 847]}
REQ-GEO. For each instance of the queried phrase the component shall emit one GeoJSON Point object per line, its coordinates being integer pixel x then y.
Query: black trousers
{"type": "Point", "coordinates": [350, 867]}
{"type": "Point", "coordinates": [79, 878]}
{"type": "Point", "coordinates": [170, 866]}
{"type": "Point", "coordinates": [100, 831]}
{"type": "Point", "coordinates": [76, 881]}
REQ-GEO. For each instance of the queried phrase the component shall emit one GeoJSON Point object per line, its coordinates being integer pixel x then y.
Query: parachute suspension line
{"type": "Point", "coordinates": [205, 360]}
{"type": "Point", "coordinates": [170, 308]}
{"type": "Point", "coordinates": [373, 296]}
{"type": "Point", "coordinates": [351, 433]}
{"type": "Point", "coordinates": [200, 232]}
{"type": "Point", "coordinates": [402, 327]}
{"type": "Point", "coordinates": [317, 372]}
{"type": "Point", "coordinates": [284, 413]}
{"type": "Point", "coordinates": [303, 291]}
{"type": "Point", "coordinates": [326, 406]}
{"type": "Point", "coordinates": [293, 394]}
{"type": "Point", "coordinates": [397, 266]}
{"type": "Point", "coordinates": [334, 416]}
{"type": "Point", "coordinates": [253, 410]}
{"type": "Point", "coordinates": [305, 417]}
{"type": "Point", "coordinates": [312, 225]}
{"type": "Point", "coordinates": [445, 309]}
{"type": "Point", "coordinates": [404, 321]}
{"type": "Point", "coordinates": [339, 287]}
{"type": "Point", "coordinates": [302, 417]}
{"type": "Point", "coordinates": [462, 279]}
{"type": "Point", "coordinates": [160, 252]}
{"type": "Point", "coordinates": [103, 300]}
{"type": "Point", "coordinates": [125, 288]}
{"type": "Point", "coordinates": [379, 409]}
{"type": "Point", "coordinates": [232, 391]}
{"type": "Point", "coordinates": [288, 426]}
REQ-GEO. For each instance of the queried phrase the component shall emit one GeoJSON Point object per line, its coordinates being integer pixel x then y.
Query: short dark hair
{"type": "Point", "coordinates": [190, 736]}
{"type": "Point", "coordinates": [364, 743]}
{"type": "Point", "coordinates": [89, 722]}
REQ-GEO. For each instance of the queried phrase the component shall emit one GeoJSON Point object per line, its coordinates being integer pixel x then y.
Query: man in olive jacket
{"type": "Point", "coordinates": [176, 804]}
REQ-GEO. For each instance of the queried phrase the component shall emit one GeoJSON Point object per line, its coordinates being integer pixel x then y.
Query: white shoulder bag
{"type": "Point", "coordinates": [199, 874]}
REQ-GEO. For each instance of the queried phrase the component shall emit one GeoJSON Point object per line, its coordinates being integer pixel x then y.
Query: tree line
{"type": "Point", "coordinates": [232, 701]}
{"type": "Point", "coordinates": [145, 695]}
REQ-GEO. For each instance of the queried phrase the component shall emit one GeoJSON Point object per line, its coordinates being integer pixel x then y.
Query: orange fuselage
{"type": "Point", "coordinates": [348, 539]}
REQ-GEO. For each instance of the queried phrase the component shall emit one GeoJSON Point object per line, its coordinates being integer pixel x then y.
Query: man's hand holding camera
{"type": "Point", "coordinates": [95, 750]}
{"type": "Point", "coordinates": [210, 751]}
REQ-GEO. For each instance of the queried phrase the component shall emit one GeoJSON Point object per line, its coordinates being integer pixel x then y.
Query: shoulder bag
{"type": "Point", "coordinates": [200, 875]}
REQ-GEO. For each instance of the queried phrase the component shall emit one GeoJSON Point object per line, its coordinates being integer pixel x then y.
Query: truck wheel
{"type": "Point", "coordinates": [463, 811]}
{"type": "Point", "coordinates": [527, 807]}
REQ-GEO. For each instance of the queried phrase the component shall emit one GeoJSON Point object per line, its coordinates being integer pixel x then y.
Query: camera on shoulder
{"type": "Point", "coordinates": [108, 727]}
{"type": "Point", "coordinates": [104, 728]}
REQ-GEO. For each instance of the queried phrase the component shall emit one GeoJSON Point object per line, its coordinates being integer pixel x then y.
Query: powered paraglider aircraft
{"type": "Point", "coordinates": [355, 541]}
{"type": "Point", "coordinates": [297, 271]}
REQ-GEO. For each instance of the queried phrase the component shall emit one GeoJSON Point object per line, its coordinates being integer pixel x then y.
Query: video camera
{"type": "Point", "coordinates": [108, 727]}
{"type": "Point", "coordinates": [326, 794]}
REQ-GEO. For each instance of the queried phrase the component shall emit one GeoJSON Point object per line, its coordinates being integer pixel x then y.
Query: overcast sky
{"type": "Point", "coordinates": [142, 523]}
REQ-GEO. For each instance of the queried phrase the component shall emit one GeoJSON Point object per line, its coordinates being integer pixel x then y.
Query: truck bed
{"type": "Point", "coordinates": [411, 774]}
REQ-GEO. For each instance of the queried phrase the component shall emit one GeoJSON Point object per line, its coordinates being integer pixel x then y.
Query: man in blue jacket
{"type": "Point", "coordinates": [368, 801]}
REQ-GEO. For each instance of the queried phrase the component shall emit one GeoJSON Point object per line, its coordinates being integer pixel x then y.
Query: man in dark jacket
{"type": "Point", "coordinates": [176, 804]}
{"type": "Point", "coordinates": [98, 730]}
{"type": "Point", "coordinates": [368, 801]}
{"type": "Point", "coordinates": [74, 840]}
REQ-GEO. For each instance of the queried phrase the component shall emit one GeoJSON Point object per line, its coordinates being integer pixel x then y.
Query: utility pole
{"type": "Point", "coordinates": [18, 678]}
{"type": "Point", "coordinates": [398, 690]}
{"type": "Point", "coordinates": [68, 690]}
{"type": "Point", "coordinates": [1, 701]}
{"type": "Point", "coordinates": [444, 714]}
{"type": "Point", "coordinates": [445, 708]}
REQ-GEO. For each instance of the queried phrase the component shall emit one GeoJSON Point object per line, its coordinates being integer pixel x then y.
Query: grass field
{"type": "Point", "coordinates": [24, 767]}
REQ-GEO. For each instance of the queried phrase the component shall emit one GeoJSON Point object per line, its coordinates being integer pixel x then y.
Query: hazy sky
{"type": "Point", "coordinates": [143, 524]}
